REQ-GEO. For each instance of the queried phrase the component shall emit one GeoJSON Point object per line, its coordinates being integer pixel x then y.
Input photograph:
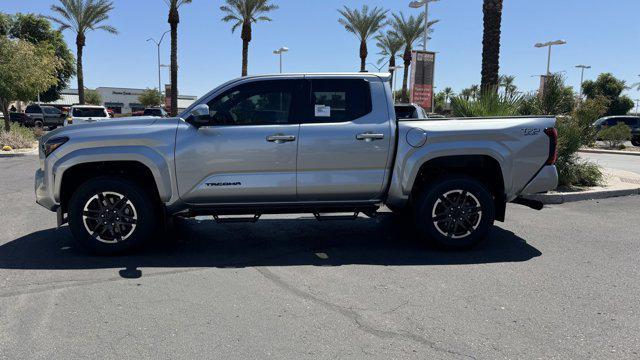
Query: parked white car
{"type": "Point", "coordinates": [84, 114]}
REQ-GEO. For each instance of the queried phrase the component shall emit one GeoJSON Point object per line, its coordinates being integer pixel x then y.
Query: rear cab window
{"type": "Point", "coordinates": [339, 100]}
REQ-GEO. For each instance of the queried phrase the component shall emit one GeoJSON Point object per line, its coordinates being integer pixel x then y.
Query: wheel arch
{"type": "Point", "coordinates": [138, 163]}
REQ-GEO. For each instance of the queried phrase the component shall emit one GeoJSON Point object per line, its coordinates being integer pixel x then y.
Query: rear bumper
{"type": "Point", "coordinates": [545, 180]}
{"type": "Point", "coordinates": [43, 195]}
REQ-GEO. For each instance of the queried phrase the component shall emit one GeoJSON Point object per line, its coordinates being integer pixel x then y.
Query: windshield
{"type": "Point", "coordinates": [89, 112]}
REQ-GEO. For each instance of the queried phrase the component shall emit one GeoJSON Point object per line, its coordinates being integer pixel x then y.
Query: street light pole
{"type": "Point", "coordinates": [393, 70]}
{"type": "Point", "coordinates": [281, 51]}
{"type": "Point", "coordinates": [582, 68]}
{"type": "Point", "coordinates": [549, 45]}
{"type": "Point", "coordinates": [158, 43]}
{"type": "Point", "coordinates": [417, 5]}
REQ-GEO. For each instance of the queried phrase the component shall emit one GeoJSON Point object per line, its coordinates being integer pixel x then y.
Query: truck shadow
{"type": "Point", "coordinates": [270, 242]}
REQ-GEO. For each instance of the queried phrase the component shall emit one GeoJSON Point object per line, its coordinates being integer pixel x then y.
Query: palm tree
{"type": "Point", "coordinates": [363, 24]}
{"type": "Point", "coordinates": [466, 94]}
{"type": "Point", "coordinates": [492, 10]}
{"type": "Point", "coordinates": [174, 20]}
{"type": "Point", "coordinates": [242, 13]}
{"type": "Point", "coordinates": [409, 30]}
{"type": "Point", "coordinates": [82, 16]}
{"type": "Point", "coordinates": [390, 45]}
{"type": "Point", "coordinates": [507, 82]}
{"type": "Point", "coordinates": [475, 91]}
{"type": "Point", "coordinates": [448, 94]}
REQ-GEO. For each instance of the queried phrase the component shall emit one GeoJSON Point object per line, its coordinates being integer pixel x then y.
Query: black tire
{"type": "Point", "coordinates": [444, 198]}
{"type": "Point", "coordinates": [112, 199]}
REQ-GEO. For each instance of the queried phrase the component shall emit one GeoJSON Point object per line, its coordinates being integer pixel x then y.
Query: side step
{"type": "Point", "coordinates": [235, 219]}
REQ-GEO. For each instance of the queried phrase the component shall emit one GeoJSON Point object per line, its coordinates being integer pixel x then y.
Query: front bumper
{"type": "Point", "coordinates": [43, 195]}
{"type": "Point", "coordinates": [545, 180]}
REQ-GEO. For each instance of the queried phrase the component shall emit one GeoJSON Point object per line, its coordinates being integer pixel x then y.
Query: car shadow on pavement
{"type": "Point", "coordinates": [270, 242]}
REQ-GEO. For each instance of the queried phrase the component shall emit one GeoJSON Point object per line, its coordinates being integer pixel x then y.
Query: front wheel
{"type": "Point", "coordinates": [111, 215]}
{"type": "Point", "coordinates": [455, 212]}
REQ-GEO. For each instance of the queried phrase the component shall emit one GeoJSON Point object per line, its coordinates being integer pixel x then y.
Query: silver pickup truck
{"type": "Point", "coordinates": [326, 144]}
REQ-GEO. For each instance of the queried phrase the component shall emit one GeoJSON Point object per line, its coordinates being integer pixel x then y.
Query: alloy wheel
{"type": "Point", "coordinates": [109, 217]}
{"type": "Point", "coordinates": [456, 214]}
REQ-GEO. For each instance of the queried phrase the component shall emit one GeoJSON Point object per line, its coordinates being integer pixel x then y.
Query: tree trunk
{"type": "Point", "coordinates": [246, 39]}
{"type": "Point", "coordinates": [405, 78]}
{"type": "Point", "coordinates": [392, 64]}
{"type": "Point", "coordinates": [363, 56]}
{"type": "Point", "coordinates": [5, 110]}
{"type": "Point", "coordinates": [174, 20]}
{"type": "Point", "coordinates": [80, 41]}
{"type": "Point", "coordinates": [492, 10]}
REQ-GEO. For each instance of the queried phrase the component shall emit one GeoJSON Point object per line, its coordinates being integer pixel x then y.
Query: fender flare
{"type": "Point", "coordinates": [154, 161]}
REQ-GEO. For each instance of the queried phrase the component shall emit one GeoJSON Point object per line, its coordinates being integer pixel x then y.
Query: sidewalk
{"type": "Point", "coordinates": [612, 152]}
{"type": "Point", "coordinates": [618, 183]}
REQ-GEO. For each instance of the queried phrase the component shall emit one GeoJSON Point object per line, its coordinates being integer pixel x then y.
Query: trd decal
{"type": "Point", "coordinates": [224, 184]}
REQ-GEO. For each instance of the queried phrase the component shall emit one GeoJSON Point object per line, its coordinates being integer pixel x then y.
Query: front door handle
{"type": "Point", "coordinates": [369, 136]}
{"type": "Point", "coordinates": [280, 138]}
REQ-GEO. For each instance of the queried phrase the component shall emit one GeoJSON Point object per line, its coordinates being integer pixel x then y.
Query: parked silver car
{"type": "Point", "coordinates": [326, 144]}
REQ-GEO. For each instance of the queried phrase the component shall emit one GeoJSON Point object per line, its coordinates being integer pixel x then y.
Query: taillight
{"type": "Point", "coordinates": [552, 133]}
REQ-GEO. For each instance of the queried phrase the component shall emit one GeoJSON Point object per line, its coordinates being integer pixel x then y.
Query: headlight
{"type": "Point", "coordinates": [52, 144]}
{"type": "Point", "coordinates": [69, 120]}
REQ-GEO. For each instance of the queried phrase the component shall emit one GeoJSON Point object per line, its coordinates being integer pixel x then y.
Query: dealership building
{"type": "Point", "coordinates": [120, 100]}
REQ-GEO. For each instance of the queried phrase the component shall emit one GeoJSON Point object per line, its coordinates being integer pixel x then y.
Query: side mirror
{"type": "Point", "coordinates": [199, 115]}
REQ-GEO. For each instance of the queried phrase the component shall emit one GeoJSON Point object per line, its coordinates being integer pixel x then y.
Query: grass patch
{"type": "Point", "coordinates": [18, 137]}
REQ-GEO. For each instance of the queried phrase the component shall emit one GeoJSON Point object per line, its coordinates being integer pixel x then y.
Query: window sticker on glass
{"type": "Point", "coordinates": [323, 111]}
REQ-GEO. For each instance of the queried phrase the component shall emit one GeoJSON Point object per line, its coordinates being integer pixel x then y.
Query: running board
{"type": "Point", "coordinates": [325, 217]}
{"type": "Point", "coordinates": [235, 219]}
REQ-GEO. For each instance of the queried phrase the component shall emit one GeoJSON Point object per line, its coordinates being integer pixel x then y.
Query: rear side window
{"type": "Point", "coordinates": [89, 112]}
{"type": "Point", "coordinates": [51, 111]}
{"type": "Point", "coordinates": [633, 122]}
{"type": "Point", "coordinates": [32, 109]}
{"type": "Point", "coordinates": [339, 100]}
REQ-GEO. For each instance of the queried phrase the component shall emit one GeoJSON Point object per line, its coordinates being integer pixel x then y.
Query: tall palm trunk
{"type": "Point", "coordinates": [364, 52]}
{"type": "Point", "coordinates": [492, 10]}
{"type": "Point", "coordinates": [405, 78]}
{"type": "Point", "coordinates": [174, 20]}
{"type": "Point", "coordinates": [80, 42]}
{"type": "Point", "coordinates": [246, 39]}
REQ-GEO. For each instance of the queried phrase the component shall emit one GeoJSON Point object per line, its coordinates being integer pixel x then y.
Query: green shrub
{"type": "Point", "coordinates": [17, 137]}
{"type": "Point", "coordinates": [615, 136]}
{"type": "Point", "coordinates": [489, 104]}
{"type": "Point", "coordinates": [573, 171]}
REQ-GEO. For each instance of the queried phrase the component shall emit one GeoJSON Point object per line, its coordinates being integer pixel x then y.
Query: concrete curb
{"type": "Point", "coordinates": [561, 198]}
{"type": "Point", "coordinates": [610, 152]}
{"type": "Point", "coordinates": [19, 152]}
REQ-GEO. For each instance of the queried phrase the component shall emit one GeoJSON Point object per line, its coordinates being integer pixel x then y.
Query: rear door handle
{"type": "Point", "coordinates": [369, 136]}
{"type": "Point", "coordinates": [280, 138]}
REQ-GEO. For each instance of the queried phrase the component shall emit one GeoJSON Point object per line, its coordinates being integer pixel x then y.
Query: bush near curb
{"type": "Point", "coordinates": [615, 136]}
{"type": "Point", "coordinates": [18, 137]}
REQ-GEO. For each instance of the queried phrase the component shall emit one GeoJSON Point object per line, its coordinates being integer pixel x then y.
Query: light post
{"type": "Point", "coordinates": [281, 51]}
{"type": "Point", "coordinates": [158, 43]}
{"type": "Point", "coordinates": [549, 45]}
{"type": "Point", "coordinates": [637, 106]}
{"type": "Point", "coordinates": [393, 70]}
{"type": "Point", "coordinates": [418, 5]}
{"type": "Point", "coordinates": [582, 68]}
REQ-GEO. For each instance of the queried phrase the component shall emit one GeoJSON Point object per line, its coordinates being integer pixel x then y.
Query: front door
{"type": "Point", "coordinates": [247, 154]}
{"type": "Point", "coordinates": [345, 141]}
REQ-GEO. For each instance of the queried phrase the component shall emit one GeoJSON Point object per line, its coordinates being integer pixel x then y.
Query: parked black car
{"type": "Point", "coordinates": [631, 121]}
{"type": "Point", "coordinates": [45, 116]}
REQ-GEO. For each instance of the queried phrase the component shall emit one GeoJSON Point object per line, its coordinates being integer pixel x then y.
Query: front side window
{"type": "Point", "coordinates": [259, 103]}
{"type": "Point", "coordinates": [339, 100]}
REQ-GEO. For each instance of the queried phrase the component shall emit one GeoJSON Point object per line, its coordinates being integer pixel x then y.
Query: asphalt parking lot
{"type": "Point", "coordinates": [562, 283]}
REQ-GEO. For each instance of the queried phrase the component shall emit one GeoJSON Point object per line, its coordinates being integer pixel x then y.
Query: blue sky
{"type": "Point", "coordinates": [599, 33]}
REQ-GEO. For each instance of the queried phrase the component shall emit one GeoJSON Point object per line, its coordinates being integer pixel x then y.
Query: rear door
{"type": "Point", "coordinates": [247, 154]}
{"type": "Point", "coordinates": [345, 141]}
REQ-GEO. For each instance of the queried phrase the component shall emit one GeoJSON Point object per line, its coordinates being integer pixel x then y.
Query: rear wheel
{"type": "Point", "coordinates": [455, 212]}
{"type": "Point", "coordinates": [110, 215]}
